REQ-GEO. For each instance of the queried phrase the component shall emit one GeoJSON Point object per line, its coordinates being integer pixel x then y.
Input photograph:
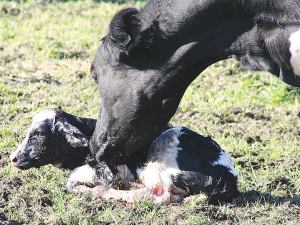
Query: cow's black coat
{"type": "Point", "coordinates": [149, 58]}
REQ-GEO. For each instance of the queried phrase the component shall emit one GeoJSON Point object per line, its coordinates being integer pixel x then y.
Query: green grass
{"type": "Point", "coordinates": [45, 56]}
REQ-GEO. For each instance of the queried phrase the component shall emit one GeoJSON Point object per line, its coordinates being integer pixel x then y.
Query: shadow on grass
{"type": "Point", "coordinates": [256, 197]}
{"type": "Point", "coordinates": [296, 90]}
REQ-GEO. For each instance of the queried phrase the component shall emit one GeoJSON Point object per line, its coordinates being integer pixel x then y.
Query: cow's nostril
{"type": "Point", "coordinates": [14, 160]}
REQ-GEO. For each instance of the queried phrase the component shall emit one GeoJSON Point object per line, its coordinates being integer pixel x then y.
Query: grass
{"type": "Point", "coordinates": [45, 54]}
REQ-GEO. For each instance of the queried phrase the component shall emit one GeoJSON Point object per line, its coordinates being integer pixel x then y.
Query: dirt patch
{"type": "Point", "coordinates": [4, 158]}
{"type": "Point", "coordinates": [45, 201]}
{"type": "Point", "coordinates": [72, 53]}
{"type": "Point", "coordinates": [225, 118]}
{"type": "Point", "coordinates": [250, 140]}
{"type": "Point", "coordinates": [38, 202]}
{"type": "Point", "coordinates": [5, 221]}
{"type": "Point", "coordinates": [80, 74]}
{"type": "Point", "coordinates": [10, 10]}
{"type": "Point", "coordinates": [256, 116]}
{"type": "Point", "coordinates": [11, 183]}
{"type": "Point", "coordinates": [47, 78]}
{"type": "Point", "coordinates": [281, 182]}
{"type": "Point", "coordinates": [10, 58]}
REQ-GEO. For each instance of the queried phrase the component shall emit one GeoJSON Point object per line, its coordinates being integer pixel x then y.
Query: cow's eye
{"type": "Point", "coordinates": [95, 77]}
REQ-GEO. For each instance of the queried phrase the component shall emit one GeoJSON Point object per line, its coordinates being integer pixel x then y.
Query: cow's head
{"type": "Point", "coordinates": [149, 57]}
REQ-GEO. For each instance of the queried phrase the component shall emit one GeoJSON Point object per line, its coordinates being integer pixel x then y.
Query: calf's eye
{"type": "Point", "coordinates": [40, 134]}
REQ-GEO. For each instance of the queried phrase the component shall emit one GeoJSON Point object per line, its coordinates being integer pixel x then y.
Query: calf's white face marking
{"type": "Point", "coordinates": [36, 122]}
{"type": "Point", "coordinates": [295, 51]}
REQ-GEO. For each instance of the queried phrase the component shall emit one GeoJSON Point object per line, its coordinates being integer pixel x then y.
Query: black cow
{"type": "Point", "coordinates": [149, 58]}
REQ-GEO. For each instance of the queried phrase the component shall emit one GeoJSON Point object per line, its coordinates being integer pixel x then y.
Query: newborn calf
{"type": "Point", "coordinates": [178, 163]}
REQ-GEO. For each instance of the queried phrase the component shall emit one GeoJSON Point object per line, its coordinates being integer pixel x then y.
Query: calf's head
{"type": "Point", "coordinates": [51, 139]}
{"type": "Point", "coordinates": [149, 58]}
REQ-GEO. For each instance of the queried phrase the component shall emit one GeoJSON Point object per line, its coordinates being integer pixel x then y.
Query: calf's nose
{"type": "Point", "coordinates": [14, 160]}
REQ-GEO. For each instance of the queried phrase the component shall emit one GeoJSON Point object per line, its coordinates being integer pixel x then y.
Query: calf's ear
{"type": "Point", "coordinates": [124, 28]}
{"type": "Point", "coordinates": [72, 134]}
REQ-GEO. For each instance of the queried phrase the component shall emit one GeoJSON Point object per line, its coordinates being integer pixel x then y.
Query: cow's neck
{"type": "Point", "coordinates": [195, 34]}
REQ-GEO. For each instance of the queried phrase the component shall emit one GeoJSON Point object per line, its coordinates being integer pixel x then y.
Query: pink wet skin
{"type": "Point", "coordinates": [129, 196]}
{"type": "Point", "coordinates": [161, 196]}
{"type": "Point", "coordinates": [158, 195]}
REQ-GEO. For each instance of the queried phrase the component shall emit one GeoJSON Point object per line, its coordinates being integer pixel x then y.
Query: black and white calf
{"type": "Point", "coordinates": [178, 163]}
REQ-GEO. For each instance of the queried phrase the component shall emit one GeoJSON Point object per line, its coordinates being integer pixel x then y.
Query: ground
{"type": "Point", "coordinates": [45, 54]}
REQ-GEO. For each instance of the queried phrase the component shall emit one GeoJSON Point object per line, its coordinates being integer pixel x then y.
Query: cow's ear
{"type": "Point", "coordinates": [124, 28]}
{"type": "Point", "coordinates": [72, 134]}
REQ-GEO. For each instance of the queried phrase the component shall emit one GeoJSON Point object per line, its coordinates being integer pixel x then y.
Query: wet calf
{"type": "Point", "coordinates": [178, 163]}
